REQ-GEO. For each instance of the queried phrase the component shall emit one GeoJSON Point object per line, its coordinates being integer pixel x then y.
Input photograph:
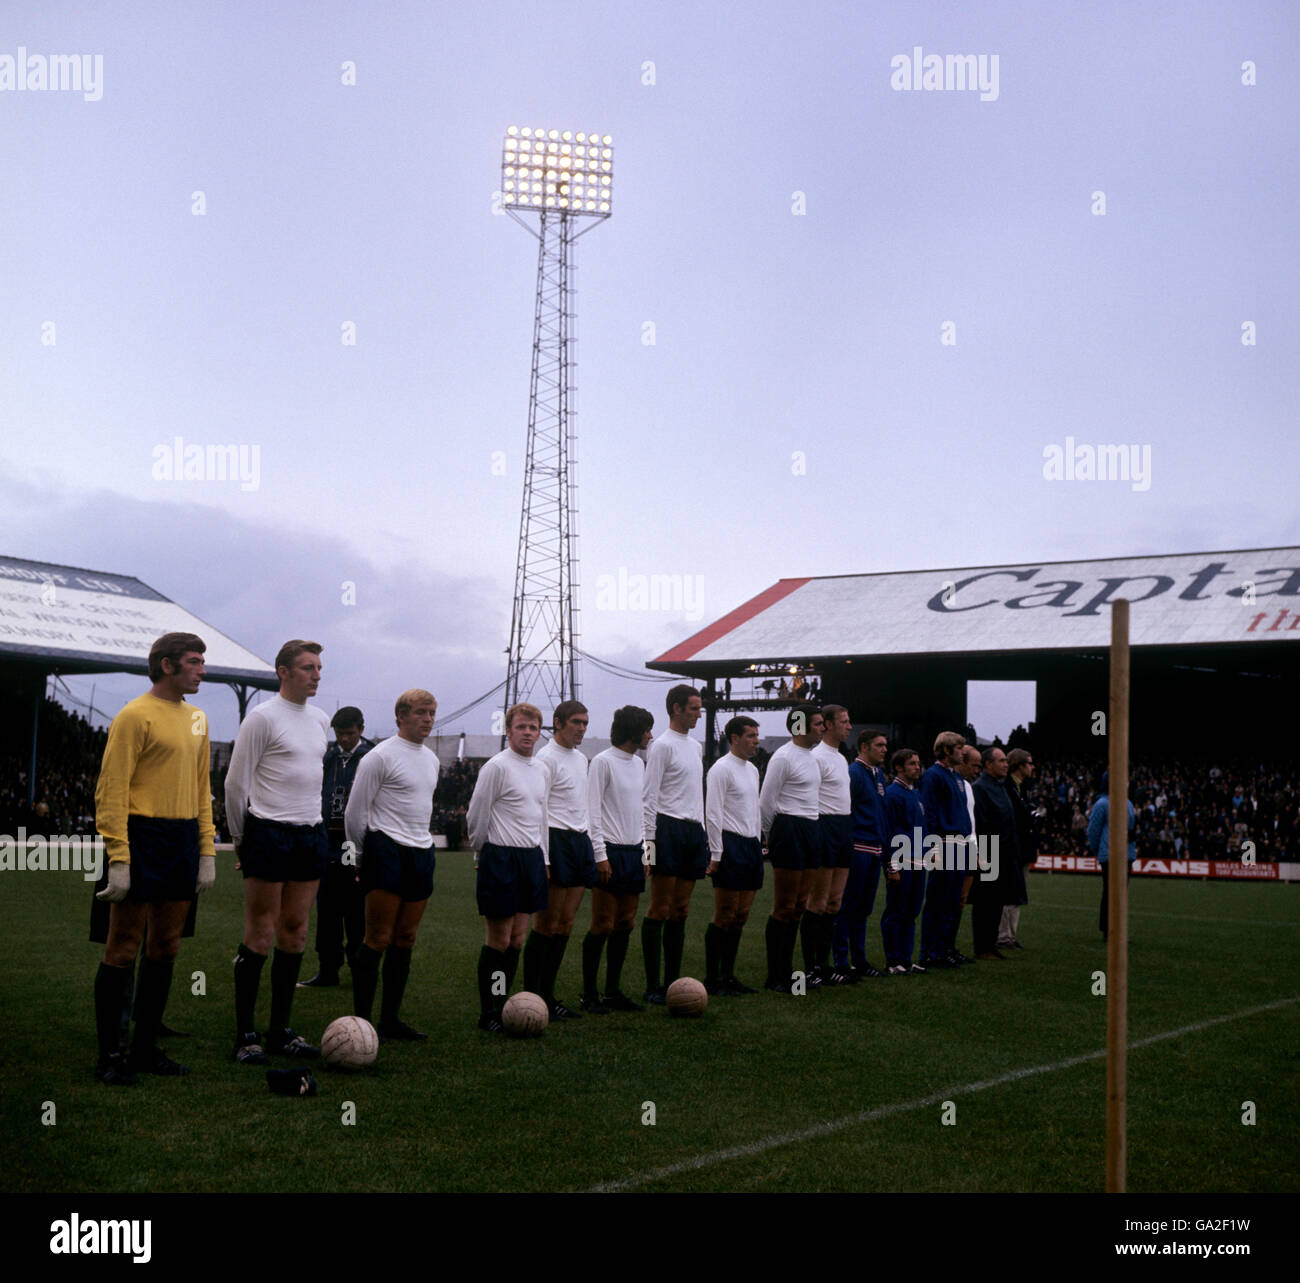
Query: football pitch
{"type": "Point", "coordinates": [988, 1079]}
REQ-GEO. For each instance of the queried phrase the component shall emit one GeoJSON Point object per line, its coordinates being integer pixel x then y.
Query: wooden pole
{"type": "Point", "coordinates": [1117, 909]}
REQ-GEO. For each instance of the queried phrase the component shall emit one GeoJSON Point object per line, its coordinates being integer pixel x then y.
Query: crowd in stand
{"type": "Point", "coordinates": [1203, 811]}
{"type": "Point", "coordinates": [68, 754]}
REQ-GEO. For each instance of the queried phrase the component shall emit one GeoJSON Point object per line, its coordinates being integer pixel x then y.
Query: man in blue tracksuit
{"type": "Point", "coordinates": [1099, 845]}
{"type": "Point", "coordinates": [904, 871]}
{"type": "Point", "coordinates": [867, 784]}
{"type": "Point", "coordinates": [944, 797]}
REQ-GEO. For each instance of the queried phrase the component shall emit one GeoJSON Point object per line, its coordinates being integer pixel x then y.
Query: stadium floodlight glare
{"type": "Point", "coordinates": [554, 157]}
{"type": "Point", "coordinates": [565, 179]}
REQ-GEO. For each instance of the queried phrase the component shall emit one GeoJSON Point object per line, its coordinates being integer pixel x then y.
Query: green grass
{"type": "Point", "coordinates": [467, 1111]}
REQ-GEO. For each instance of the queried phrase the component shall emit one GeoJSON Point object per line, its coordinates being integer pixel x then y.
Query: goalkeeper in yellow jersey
{"type": "Point", "coordinates": [153, 807]}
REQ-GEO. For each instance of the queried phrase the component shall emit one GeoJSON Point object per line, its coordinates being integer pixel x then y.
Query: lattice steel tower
{"type": "Point", "coordinates": [566, 180]}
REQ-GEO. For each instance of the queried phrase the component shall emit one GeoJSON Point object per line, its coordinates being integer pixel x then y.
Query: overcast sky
{"type": "Point", "coordinates": [872, 308]}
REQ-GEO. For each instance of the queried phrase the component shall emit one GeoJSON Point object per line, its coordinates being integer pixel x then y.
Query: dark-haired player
{"type": "Point", "coordinates": [615, 788]}
{"type": "Point", "coordinates": [273, 810]}
{"type": "Point", "coordinates": [867, 785]}
{"type": "Point", "coordinates": [507, 827]}
{"type": "Point", "coordinates": [572, 864]}
{"type": "Point", "coordinates": [903, 862]}
{"type": "Point", "coordinates": [153, 808]}
{"type": "Point", "coordinates": [341, 903]}
{"type": "Point", "coordinates": [788, 814]}
{"type": "Point", "coordinates": [736, 851]}
{"type": "Point", "coordinates": [673, 809]}
{"type": "Point", "coordinates": [835, 830]}
{"type": "Point", "coordinates": [387, 822]}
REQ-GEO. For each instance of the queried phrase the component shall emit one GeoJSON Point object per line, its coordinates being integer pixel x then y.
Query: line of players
{"type": "Point", "coordinates": [544, 827]}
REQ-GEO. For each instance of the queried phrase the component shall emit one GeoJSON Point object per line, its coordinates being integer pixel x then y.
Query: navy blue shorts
{"type": "Point", "coordinates": [389, 865]}
{"type": "Point", "coordinates": [573, 862]}
{"type": "Point", "coordinates": [836, 833]}
{"type": "Point", "coordinates": [741, 866]}
{"type": "Point", "coordinates": [794, 843]}
{"type": "Point", "coordinates": [626, 869]}
{"type": "Point", "coordinates": [510, 880]}
{"type": "Point", "coordinates": [279, 852]}
{"type": "Point", "coordinates": [164, 858]}
{"type": "Point", "coordinates": [681, 849]}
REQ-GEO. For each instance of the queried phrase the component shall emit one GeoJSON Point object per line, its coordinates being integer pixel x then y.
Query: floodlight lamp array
{"type": "Point", "coordinates": [546, 169]}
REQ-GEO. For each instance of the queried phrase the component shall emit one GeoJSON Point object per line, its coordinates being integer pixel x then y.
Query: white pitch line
{"type": "Point", "coordinates": [903, 1107]}
{"type": "Point", "coordinates": [1176, 917]}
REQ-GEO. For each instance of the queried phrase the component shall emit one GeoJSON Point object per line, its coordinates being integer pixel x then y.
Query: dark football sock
{"type": "Point", "coordinates": [787, 949]}
{"type": "Point", "coordinates": [712, 954]}
{"type": "Point", "coordinates": [151, 1002]}
{"type": "Point", "coordinates": [674, 944]}
{"type": "Point", "coordinates": [592, 947]}
{"type": "Point", "coordinates": [825, 937]}
{"type": "Point", "coordinates": [536, 949]}
{"type": "Point", "coordinates": [248, 976]}
{"type": "Point", "coordinates": [808, 925]}
{"type": "Point", "coordinates": [618, 947]}
{"type": "Point", "coordinates": [730, 945]}
{"type": "Point", "coordinates": [512, 965]}
{"type": "Point", "coordinates": [285, 969]}
{"type": "Point", "coordinates": [775, 939]}
{"type": "Point", "coordinates": [652, 934]}
{"type": "Point", "coordinates": [110, 994]}
{"type": "Point", "coordinates": [397, 969]}
{"type": "Point", "coordinates": [490, 962]}
{"type": "Point", "coordinates": [554, 959]}
{"type": "Point", "coordinates": [365, 980]}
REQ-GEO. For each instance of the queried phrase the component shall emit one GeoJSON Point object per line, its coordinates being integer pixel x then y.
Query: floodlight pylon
{"type": "Point", "coordinates": [569, 191]}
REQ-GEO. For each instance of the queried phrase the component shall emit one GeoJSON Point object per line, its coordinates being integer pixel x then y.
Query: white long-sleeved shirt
{"type": "Point", "coordinates": [566, 787]}
{"type": "Point", "coordinates": [393, 794]}
{"type": "Point", "coordinates": [614, 790]}
{"type": "Point", "coordinates": [508, 807]}
{"type": "Point", "coordinates": [277, 765]}
{"type": "Point", "coordinates": [791, 786]}
{"type": "Point", "coordinates": [970, 806]}
{"type": "Point", "coordinates": [674, 780]}
{"type": "Point", "coordinates": [732, 803]}
{"type": "Point", "coordinates": [833, 796]}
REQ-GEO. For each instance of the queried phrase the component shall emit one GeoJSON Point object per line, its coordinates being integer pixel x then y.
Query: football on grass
{"type": "Point", "coordinates": [349, 1043]}
{"type": "Point", "coordinates": [525, 1015]}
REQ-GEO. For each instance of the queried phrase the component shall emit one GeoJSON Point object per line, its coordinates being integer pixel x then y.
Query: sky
{"type": "Point", "coordinates": [833, 325]}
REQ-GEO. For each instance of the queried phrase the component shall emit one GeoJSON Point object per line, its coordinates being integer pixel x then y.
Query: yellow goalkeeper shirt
{"type": "Point", "coordinates": [155, 764]}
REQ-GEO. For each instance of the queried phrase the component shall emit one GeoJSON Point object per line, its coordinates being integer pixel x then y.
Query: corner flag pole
{"type": "Point", "coordinates": [1117, 909]}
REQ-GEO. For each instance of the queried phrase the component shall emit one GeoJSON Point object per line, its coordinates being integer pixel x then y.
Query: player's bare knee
{"type": "Point", "coordinates": [163, 948]}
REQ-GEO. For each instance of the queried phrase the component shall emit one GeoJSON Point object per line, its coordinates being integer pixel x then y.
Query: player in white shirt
{"type": "Point", "coordinates": [387, 823]}
{"type": "Point", "coordinates": [788, 813]}
{"type": "Point", "coordinates": [571, 861]}
{"type": "Point", "coordinates": [614, 795]}
{"type": "Point", "coordinates": [273, 812]}
{"type": "Point", "coordinates": [835, 828]}
{"type": "Point", "coordinates": [675, 838]}
{"type": "Point", "coordinates": [731, 819]}
{"type": "Point", "coordinates": [507, 827]}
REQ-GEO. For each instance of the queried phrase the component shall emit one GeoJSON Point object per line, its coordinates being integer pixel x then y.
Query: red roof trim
{"type": "Point", "coordinates": [742, 614]}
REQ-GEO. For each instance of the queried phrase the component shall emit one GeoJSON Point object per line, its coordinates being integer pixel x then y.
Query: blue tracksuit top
{"type": "Point", "coordinates": [867, 786]}
{"type": "Point", "coordinates": [944, 799]}
{"type": "Point", "coordinates": [904, 813]}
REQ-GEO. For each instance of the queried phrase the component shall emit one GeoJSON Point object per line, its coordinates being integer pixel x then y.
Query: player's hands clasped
{"type": "Point", "coordinates": [119, 883]}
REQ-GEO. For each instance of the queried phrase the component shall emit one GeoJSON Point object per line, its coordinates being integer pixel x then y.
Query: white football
{"type": "Point", "coordinates": [349, 1043]}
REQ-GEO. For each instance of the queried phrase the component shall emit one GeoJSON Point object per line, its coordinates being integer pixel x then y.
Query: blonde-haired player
{"type": "Point", "coordinates": [507, 827]}
{"type": "Point", "coordinates": [387, 823]}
